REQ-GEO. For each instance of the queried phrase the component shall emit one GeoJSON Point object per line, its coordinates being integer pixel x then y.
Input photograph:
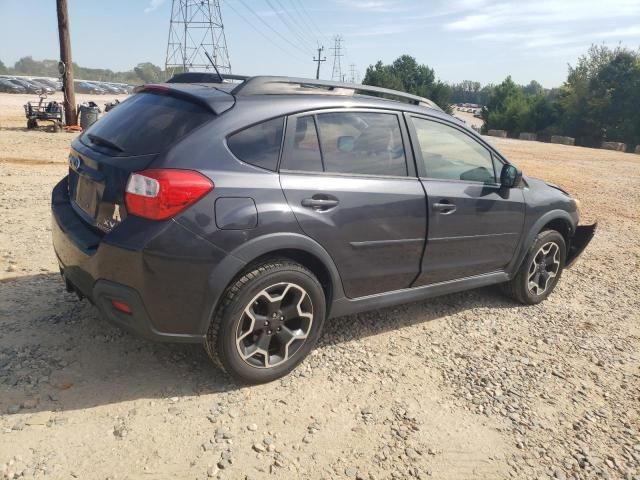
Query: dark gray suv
{"type": "Point", "coordinates": [242, 212]}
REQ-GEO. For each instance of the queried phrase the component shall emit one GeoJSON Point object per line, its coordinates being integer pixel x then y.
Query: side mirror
{"type": "Point", "coordinates": [510, 176]}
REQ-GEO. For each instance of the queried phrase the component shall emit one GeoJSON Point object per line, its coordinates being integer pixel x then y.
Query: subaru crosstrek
{"type": "Point", "coordinates": [243, 212]}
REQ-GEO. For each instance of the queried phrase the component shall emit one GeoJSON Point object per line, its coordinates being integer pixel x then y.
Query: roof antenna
{"type": "Point", "coordinates": [214, 66]}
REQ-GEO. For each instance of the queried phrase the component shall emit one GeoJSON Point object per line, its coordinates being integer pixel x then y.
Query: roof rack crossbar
{"type": "Point", "coordinates": [265, 85]}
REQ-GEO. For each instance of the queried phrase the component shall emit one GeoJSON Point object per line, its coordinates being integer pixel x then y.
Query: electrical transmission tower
{"type": "Point", "coordinates": [336, 74]}
{"type": "Point", "coordinates": [353, 77]}
{"type": "Point", "coordinates": [196, 29]}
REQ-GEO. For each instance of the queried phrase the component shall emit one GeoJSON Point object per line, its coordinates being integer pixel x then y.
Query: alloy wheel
{"type": "Point", "coordinates": [274, 325]}
{"type": "Point", "coordinates": [544, 267]}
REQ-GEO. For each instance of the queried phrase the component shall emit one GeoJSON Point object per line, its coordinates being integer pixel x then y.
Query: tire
{"type": "Point", "coordinates": [248, 341]}
{"type": "Point", "coordinates": [520, 288]}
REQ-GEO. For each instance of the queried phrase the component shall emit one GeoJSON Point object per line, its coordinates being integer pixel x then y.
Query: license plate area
{"type": "Point", "coordinates": [88, 195]}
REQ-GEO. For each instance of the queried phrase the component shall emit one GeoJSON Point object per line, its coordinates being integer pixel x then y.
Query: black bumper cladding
{"type": "Point", "coordinates": [582, 237]}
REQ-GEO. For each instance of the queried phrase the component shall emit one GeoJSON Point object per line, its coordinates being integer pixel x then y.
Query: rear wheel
{"type": "Point", "coordinates": [541, 269]}
{"type": "Point", "coordinates": [267, 323]}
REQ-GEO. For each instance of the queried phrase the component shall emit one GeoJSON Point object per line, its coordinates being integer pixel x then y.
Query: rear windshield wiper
{"type": "Point", "coordinates": [104, 142]}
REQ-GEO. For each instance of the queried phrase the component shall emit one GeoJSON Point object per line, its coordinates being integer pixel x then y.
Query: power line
{"type": "Point", "coordinates": [302, 18]}
{"type": "Point", "coordinates": [301, 34]}
{"type": "Point", "coordinates": [267, 37]}
{"type": "Point", "coordinates": [297, 47]}
{"type": "Point", "coordinates": [306, 13]}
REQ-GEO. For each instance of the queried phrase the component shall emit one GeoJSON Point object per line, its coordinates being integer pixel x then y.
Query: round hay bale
{"type": "Point", "coordinates": [497, 133]}
{"type": "Point", "coordinates": [637, 150]}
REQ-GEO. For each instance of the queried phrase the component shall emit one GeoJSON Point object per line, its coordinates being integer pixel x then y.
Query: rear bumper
{"type": "Point", "coordinates": [583, 235]}
{"type": "Point", "coordinates": [161, 271]}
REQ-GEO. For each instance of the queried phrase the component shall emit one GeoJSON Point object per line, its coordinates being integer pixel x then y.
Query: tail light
{"type": "Point", "coordinates": [159, 194]}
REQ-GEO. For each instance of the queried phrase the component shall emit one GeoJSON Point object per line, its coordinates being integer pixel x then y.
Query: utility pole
{"type": "Point", "coordinates": [336, 74]}
{"type": "Point", "coordinates": [319, 60]}
{"type": "Point", "coordinates": [66, 66]}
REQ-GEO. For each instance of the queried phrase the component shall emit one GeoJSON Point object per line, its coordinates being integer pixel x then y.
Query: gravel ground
{"type": "Point", "coordinates": [465, 386]}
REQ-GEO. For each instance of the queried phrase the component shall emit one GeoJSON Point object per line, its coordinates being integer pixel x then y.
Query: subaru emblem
{"type": "Point", "coordinates": [74, 161]}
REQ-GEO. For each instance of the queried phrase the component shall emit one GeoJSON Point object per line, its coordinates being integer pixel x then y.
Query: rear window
{"type": "Point", "coordinates": [145, 123]}
{"type": "Point", "coordinates": [260, 144]}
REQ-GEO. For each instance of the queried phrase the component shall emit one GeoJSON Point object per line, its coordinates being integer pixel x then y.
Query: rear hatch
{"type": "Point", "coordinates": [125, 140]}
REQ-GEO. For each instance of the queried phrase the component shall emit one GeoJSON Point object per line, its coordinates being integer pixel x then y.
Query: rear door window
{"type": "Point", "coordinates": [303, 153]}
{"type": "Point", "coordinates": [362, 143]}
{"type": "Point", "coordinates": [358, 143]}
{"type": "Point", "coordinates": [145, 123]}
{"type": "Point", "coordinates": [259, 145]}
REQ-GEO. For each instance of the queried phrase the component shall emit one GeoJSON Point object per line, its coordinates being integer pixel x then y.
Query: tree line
{"type": "Point", "coordinates": [599, 101]}
{"type": "Point", "coordinates": [142, 73]}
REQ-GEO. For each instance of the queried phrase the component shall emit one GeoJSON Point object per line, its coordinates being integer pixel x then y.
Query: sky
{"type": "Point", "coordinates": [481, 40]}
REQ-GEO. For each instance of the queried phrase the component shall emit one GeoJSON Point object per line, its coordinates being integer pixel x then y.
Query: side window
{"type": "Point", "coordinates": [303, 153]}
{"type": "Point", "coordinates": [362, 143]}
{"type": "Point", "coordinates": [260, 144]}
{"type": "Point", "coordinates": [449, 154]}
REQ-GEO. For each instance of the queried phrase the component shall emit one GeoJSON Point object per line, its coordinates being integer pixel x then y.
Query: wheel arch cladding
{"type": "Point", "coordinates": [296, 247]}
{"type": "Point", "coordinates": [562, 226]}
{"type": "Point", "coordinates": [560, 219]}
{"type": "Point", "coordinates": [307, 260]}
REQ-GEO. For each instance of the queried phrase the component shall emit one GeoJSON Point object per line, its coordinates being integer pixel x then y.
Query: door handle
{"type": "Point", "coordinates": [444, 207]}
{"type": "Point", "coordinates": [320, 202]}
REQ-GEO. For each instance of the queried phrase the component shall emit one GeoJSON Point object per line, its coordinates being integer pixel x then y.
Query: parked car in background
{"type": "Point", "coordinates": [46, 88]}
{"type": "Point", "coordinates": [56, 85]}
{"type": "Point", "coordinates": [242, 216]}
{"type": "Point", "coordinates": [30, 87]}
{"type": "Point", "coordinates": [87, 87]}
{"type": "Point", "coordinates": [108, 88]}
{"type": "Point", "coordinates": [7, 86]}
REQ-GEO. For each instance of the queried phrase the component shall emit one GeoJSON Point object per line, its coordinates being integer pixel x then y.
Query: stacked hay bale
{"type": "Point", "coordinates": [497, 133]}
{"type": "Point", "coordinates": [616, 146]}
{"type": "Point", "coordinates": [563, 140]}
{"type": "Point", "coordinates": [528, 136]}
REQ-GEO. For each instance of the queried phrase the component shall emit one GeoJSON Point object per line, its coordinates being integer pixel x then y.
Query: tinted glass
{"type": "Point", "coordinates": [145, 123]}
{"type": "Point", "coordinates": [362, 143]}
{"type": "Point", "coordinates": [303, 153]}
{"type": "Point", "coordinates": [260, 144]}
{"type": "Point", "coordinates": [449, 154]}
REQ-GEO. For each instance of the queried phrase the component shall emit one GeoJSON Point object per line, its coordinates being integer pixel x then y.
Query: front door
{"type": "Point", "coordinates": [474, 225]}
{"type": "Point", "coordinates": [349, 180]}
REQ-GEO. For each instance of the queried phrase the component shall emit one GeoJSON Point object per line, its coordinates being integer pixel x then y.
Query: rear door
{"type": "Point", "coordinates": [475, 225]}
{"type": "Point", "coordinates": [348, 176]}
{"type": "Point", "coordinates": [126, 139]}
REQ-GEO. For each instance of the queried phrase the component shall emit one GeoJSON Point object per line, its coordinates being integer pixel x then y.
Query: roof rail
{"type": "Point", "coordinates": [265, 85]}
{"type": "Point", "coordinates": [204, 77]}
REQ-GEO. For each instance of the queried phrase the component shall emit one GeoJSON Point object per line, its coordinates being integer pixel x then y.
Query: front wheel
{"type": "Point", "coordinates": [267, 322]}
{"type": "Point", "coordinates": [541, 269]}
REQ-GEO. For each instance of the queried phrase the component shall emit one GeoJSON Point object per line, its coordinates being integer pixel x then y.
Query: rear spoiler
{"type": "Point", "coordinates": [214, 100]}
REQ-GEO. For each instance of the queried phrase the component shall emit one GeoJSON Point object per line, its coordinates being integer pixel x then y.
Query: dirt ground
{"type": "Point", "coordinates": [466, 386]}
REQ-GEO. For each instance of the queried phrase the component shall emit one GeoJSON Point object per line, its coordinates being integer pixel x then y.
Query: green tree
{"type": "Point", "coordinates": [407, 75]}
{"type": "Point", "coordinates": [3, 68]}
{"type": "Point", "coordinates": [149, 73]}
